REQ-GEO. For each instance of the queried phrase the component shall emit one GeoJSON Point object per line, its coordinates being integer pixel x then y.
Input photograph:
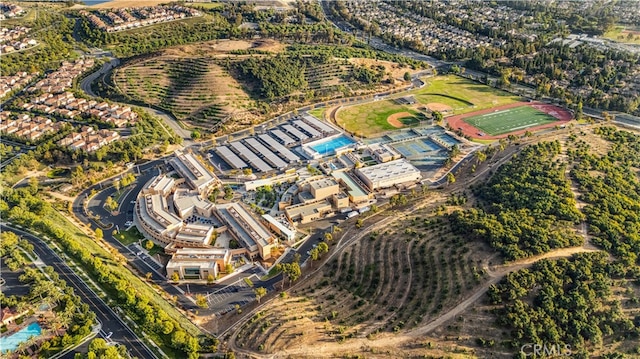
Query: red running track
{"type": "Point", "coordinates": [457, 122]}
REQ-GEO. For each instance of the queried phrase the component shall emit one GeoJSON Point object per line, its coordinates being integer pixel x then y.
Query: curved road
{"type": "Point", "coordinates": [86, 82]}
{"type": "Point", "coordinates": [144, 265]}
{"type": "Point", "coordinates": [111, 322]}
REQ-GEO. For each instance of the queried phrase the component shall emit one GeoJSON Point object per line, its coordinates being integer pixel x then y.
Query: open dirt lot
{"type": "Point", "coordinates": [437, 106]}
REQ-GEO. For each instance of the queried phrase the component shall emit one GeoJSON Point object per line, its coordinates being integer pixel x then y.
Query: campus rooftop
{"type": "Point", "coordinates": [196, 175]}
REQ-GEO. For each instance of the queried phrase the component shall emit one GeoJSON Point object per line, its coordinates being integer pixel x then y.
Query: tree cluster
{"type": "Point", "coordinates": [609, 185]}
{"type": "Point", "coordinates": [275, 76]}
{"type": "Point", "coordinates": [527, 207]}
{"type": "Point", "coordinates": [25, 208]}
{"type": "Point", "coordinates": [571, 304]}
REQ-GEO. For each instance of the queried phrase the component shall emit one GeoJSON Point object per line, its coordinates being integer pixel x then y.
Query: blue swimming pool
{"type": "Point", "coordinates": [328, 147]}
{"type": "Point", "coordinates": [11, 342]}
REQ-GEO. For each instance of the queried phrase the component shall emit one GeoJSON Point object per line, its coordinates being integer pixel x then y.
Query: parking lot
{"type": "Point", "coordinates": [145, 257]}
{"type": "Point", "coordinates": [239, 293]}
{"type": "Point", "coordinates": [10, 284]}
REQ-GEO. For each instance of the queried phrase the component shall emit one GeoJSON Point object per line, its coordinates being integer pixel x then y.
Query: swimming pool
{"type": "Point", "coordinates": [11, 342]}
{"type": "Point", "coordinates": [328, 147]}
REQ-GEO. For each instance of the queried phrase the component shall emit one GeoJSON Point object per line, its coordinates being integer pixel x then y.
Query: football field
{"type": "Point", "coordinates": [513, 119]}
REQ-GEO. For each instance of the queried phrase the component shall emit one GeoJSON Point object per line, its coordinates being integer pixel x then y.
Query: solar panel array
{"type": "Point", "coordinates": [271, 157]}
{"type": "Point", "coordinates": [318, 124]}
{"type": "Point", "coordinates": [276, 146]}
{"type": "Point", "coordinates": [256, 162]}
{"type": "Point", "coordinates": [283, 137]}
{"type": "Point", "coordinates": [231, 157]}
{"type": "Point", "coordinates": [295, 132]}
{"type": "Point", "coordinates": [307, 128]}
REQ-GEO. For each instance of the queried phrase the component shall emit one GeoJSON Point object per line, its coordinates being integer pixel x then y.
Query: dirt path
{"type": "Point", "coordinates": [388, 340]}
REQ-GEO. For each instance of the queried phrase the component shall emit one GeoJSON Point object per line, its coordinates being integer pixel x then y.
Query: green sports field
{"type": "Point", "coordinates": [461, 95]}
{"type": "Point", "coordinates": [509, 120]}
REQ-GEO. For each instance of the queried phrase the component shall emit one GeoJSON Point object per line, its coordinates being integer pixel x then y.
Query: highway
{"type": "Point", "coordinates": [111, 322]}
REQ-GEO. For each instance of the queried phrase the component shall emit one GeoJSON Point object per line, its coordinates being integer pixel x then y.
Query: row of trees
{"type": "Point", "coordinates": [12, 250]}
{"type": "Point", "coordinates": [526, 208]}
{"type": "Point", "coordinates": [571, 304]}
{"type": "Point", "coordinates": [72, 319]}
{"type": "Point", "coordinates": [25, 208]}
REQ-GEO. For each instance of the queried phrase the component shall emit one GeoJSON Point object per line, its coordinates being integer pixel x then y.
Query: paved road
{"type": "Point", "coordinates": [85, 85]}
{"type": "Point", "coordinates": [86, 82]}
{"type": "Point", "coordinates": [111, 322]}
{"type": "Point", "coordinates": [173, 123]}
{"type": "Point", "coordinates": [142, 263]}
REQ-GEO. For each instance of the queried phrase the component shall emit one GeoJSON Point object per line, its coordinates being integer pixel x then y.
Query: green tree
{"type": "Point", "coordinates": [175, 277]}
{"type": "Point", "coordinates": [99, 233]}
{"type": "Point", "coordinates": [328, 236]}
{"type": "Point", "coordinates": [148, 244]}
{"type": "Point", "coordinates": [228, 192]}
{"type": "Point", "coordinates": [481, 156]}
{"type": "Point", "coordinates": [260, 292]}
{"type": "Point", "coordinates": [201, 301]}
{"type": "Point", "coordinates": [33, 185]}
{"type": "Point", "coordinates": [322, 247]}
{"type": "Point", "coordinates": [210, 279]}
{"type": "Point", "coordinates": [451, 178]}
{"type": "Point", "coordinates": [437, 117]}
{"type": "Point", "coordinates": [228, 268]}
{"type": "Point", "coordinates": [195, 135]}
{"type": "Point", "coordinates": [407, 76]}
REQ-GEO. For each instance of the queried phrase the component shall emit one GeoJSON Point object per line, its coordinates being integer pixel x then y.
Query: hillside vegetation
{"type": "Point", "coordinates": [564, 302]}
{"type": "Point", "coordinates": [386, 282]}
{"type": "Point", "coordinates": [611, 188]}
{"type": "Point", "coordinates": [527, 207]}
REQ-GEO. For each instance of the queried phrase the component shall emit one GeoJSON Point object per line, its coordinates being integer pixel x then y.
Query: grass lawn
{"type": "Point", "coordinates": [468, 96]}
{"type": "Point", "coordinates": [615, 33]}
{"type": "Point", "coordinates": [318, 112]}
{"type": "Point", "coordinates": [93, 247]}
{"type": "Point", "coordinates": [410, 120]}
{"type": "Point", "coordinates": [371, 118]}
{"type": "Point", "coordinates": [461, 94]}
{"type": "Point", "coordinates": [509, 120]}
{"type": "Point", "coordinates": [272, 273]}
{"type": "Point", "coordinates": [129, 237]}
{"type": "Point", "coordinates": [155, 250]}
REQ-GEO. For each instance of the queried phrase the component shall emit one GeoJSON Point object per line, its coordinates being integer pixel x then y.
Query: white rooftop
{"type": "Point", "coordinates": [388, 170]}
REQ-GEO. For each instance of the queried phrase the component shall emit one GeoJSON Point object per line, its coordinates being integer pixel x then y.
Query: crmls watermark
{"type": "Point", "coordinates": [541, 350]}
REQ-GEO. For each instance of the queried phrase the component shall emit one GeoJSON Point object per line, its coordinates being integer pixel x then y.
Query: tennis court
{"type": "Point", "coordinates": [509, 120]}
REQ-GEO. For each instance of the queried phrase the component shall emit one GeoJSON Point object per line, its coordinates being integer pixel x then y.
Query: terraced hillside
{"type": "Point", "coordinates": [385, 282]}
{"type": "Point", "coordinates": [195, 90]}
